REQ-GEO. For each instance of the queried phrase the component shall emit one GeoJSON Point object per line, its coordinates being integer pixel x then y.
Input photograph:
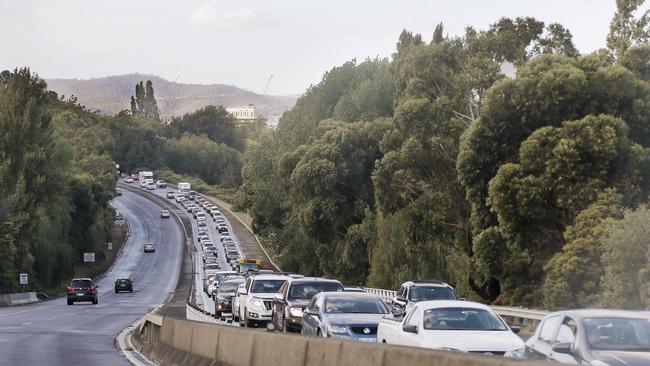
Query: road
{"type": "Point", "coordinates": [52, 333]}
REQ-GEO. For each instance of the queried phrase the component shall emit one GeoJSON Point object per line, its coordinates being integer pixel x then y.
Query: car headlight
{"type": "Point", "coordinates": [257, 303]}
{"type": "Point", "coordinates": [517, 354]}
{"type": "Point", "coordinates": [295, 312]}
{"type": "Point", "coordinates": [598, 363]}
{"type": "Point", "coordinates": [339, 329]}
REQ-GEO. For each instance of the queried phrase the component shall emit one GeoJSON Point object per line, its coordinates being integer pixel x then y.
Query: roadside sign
{"type": "Point", "coordinates": [110, 246]}
{"type": "Point", "coordinates": [89, 257]}
{"type": "Point", "coordinates": [23, 278]}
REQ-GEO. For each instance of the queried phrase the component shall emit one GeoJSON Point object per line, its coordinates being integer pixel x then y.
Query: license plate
{"type": "Point", "coordinates": [80, 294]}
{"type": "Point", "coordinates": [369, 340]}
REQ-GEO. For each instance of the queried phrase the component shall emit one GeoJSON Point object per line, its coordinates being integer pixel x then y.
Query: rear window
{"type": "Point", "coordinates": [305, 291]}
{"type": "Point", "coordinates": [81, 283]}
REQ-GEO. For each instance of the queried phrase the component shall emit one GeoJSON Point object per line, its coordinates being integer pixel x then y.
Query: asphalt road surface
{"type": "Point", "coordinates": [52, 333]}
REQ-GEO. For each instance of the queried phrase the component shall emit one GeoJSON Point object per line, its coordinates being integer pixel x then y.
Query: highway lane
{"type": "Point", "coordinates": [52, 333]}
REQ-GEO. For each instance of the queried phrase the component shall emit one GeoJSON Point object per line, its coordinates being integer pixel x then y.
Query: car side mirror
{"type": "Point", "coordinates": [397, 313]}
{"type": "Point", "coordinates": [399, 299]}
{"type": "Point", "coordinates": [279, 297]}
{"type": "Point", "coordinates": [515, 329]}
{"type": "Point", "coordinates": [243, 291]}
{"type": "Point", "coordinates": [562, 347]}
{"type": "Point", "coordinates": [410, 329]}
{"type": "Point", "coordinates": [312, 312]}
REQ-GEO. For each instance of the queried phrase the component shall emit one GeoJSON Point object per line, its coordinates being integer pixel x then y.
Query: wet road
{"type": "Point", "coordinates": [52, 333]}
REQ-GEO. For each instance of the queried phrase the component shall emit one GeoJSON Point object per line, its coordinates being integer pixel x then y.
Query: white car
{"type": "Point", "coordinates": [149, 247]}
{"type": "Point", "coordinates": [452, 325]}
{"type": "Point", "coordinates": [164, 214]}
{"type": "Point", "coordinates": [151, 186]}
{"type": "Point", "coordinates": [235, 303]}
{"type": "Point", "coordinates": [256, 298]}
{"type": "Point", "coordinates": [128, 180]}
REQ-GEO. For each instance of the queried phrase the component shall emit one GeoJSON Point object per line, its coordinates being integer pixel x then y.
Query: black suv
{"type": "Point", "coordinates": [415, 291]}
{"type": "Point", "coordinates": [123, 284]}
{"type": "Point", "coordinates": [82, 289]}
{"type": "Point", "coordinates": [294, 296]}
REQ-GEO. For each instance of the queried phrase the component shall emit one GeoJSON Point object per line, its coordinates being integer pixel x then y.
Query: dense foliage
{"type": "Point", "coordinates": [436, 165]}
{"type": "Point", "coordinates": [57, 167]}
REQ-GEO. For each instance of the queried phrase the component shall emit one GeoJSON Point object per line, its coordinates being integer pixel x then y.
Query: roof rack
{"type": "Point", "coordinates": [437, 282]}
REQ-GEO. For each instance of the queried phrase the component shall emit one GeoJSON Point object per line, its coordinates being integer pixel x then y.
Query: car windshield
{"type": "Point", "coordinates": [230, 286]}
{"type": "Point", "coordinates": [426, 293]}
{"type": "Point", "coordinates": [352, 305]}
{"type": "Point", "coordinates": [462, 319]}
{"type": "Point", "coordinates": [244, 267]}
{"type": "Point", "coordinates": [618, 334]}
{"type": "Point", "coordinates": [266, 286]}
{"type": "Point", "coordinates": [305, 291]}
{"type": "Point", "coordinates": [122, 280]}
{"type": "Point", "coordinates": [81, 283]}
{"type": "Point", "coordinates": [212, 266]}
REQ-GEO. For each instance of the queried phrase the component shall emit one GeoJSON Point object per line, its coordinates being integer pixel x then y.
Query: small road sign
{"type": "Point", "coordinates": [24, 278]}
{"type": "Point", "coordinates": [89, 257]}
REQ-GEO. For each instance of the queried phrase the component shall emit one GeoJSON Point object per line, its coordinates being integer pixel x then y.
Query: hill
{"type": "Point", "coordinates": [111, 94]}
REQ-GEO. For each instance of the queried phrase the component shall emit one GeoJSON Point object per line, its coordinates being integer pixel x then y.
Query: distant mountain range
{"type": "Point", "coordinates": [112, 94]}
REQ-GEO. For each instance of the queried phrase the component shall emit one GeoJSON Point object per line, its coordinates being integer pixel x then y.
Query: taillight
{"type": "Point", "coordinates": [70, 289]}
{"type": "Point", "coordinates": [90, 289]}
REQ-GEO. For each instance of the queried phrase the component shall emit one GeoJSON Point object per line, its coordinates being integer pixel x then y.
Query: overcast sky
{"type": "Point", "coordinates": [243, 42]}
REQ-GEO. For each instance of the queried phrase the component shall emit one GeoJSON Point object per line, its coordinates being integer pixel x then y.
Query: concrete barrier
{"type": "Point", "coordinates": [189, 343]}
{"type": "Point", "coordinates": [20, 298]}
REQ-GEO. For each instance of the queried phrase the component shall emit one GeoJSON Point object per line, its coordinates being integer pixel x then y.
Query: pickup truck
{"type": "Point", "coordinates": [460, 326]}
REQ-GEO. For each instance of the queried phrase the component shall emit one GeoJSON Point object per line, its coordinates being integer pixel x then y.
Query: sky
{"type": "Point", "coordinates": [244, 42]}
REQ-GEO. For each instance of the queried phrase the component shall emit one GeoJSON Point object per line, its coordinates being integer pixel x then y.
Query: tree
{"type": "Point", "coordinates": [626, 261]}
{"type": "Point", "coordinates": [214, 122]}
{"type": "Point", "coordinates": [573, 276]}
{"type": "Point", "coordinates": [547, 92]}
{"type": "Point", "coordinates": [144, 103]}
{"type": "Point", "coordinates": [626, 31]}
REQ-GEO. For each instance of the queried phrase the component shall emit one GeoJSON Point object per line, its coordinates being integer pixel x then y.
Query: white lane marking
{"type": "Point", "coordinates": [27, 324]}
{"type": "Point", "coordinates": [26, 311]}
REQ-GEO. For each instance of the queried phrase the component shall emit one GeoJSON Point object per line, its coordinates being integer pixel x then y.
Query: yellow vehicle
{"type": "Point", "coordinates": [249, 265]}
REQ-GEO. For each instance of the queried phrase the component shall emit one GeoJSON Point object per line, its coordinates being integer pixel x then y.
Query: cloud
{"type": "Point", "coordinates": [242, 19]}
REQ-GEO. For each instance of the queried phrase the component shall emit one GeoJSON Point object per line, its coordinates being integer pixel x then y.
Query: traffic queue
{"type": "Point", "coordinates": [425, 314]}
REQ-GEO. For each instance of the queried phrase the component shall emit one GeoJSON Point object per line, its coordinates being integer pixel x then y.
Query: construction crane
{"type": "Point", "coordinates": [268, 82]}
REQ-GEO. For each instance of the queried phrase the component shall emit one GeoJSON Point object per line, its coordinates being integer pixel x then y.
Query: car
{"type": "Point", "coordinates": [161, 184]}
{"type": "Point", "coordinates": [452, 325]}
{"type": "Point", "coordinates": [203, 229]}
{"type": "Point", "coordinates": [151, 186]}
{"type": "Point", "coordinates": [202, 224]}
{"type": "Point", "coordinates": [149, 247]}
{"type": "Point", "coordinates": [222, 229]}
{"type": "Point", "coordinates": [200, 216]}
{"type": "Point", "coordinates": [180, 199]}
{"type": "Point", "coordinates": [232, 255]}
{"type": "Point", "coordinates": [82, 289]}
{"type": "Point", "coordinates": [206, 281]}
{"type": "Point", "coordinates": [412, 292]}
{"type": "Point", "coordinates": [236, 302]}
{"type": "Point", "coordinates": [128, 180]}
{"type": "Point", "coordinates": [224, 297]}
{"type": "Point", "coordinates": [164, 214]}
{"type": "Point", "coordinates": [171, 195]}
{"type": "Point", "coordinates": [353, 289]}
{"type": "Point", "coordinates": [344, 315]}
{"type": "Point", "coordinates": [293, 298]}
{"type": "Point", "coordinates": [135, 176]}
{"type": "Point", "coordinates": [256, 299]}
{"type": "Point", "coordinates": [211, 268]}
{"type": "Point", "coordinates": [592, 337]}
{"type": "Point", "coordinates": [225, 238]}
{"type": "Point", "coordinates": [123, 284]}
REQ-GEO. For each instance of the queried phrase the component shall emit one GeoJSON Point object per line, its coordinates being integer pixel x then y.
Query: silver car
{"type": "Point", "coordinates": [347, 315]}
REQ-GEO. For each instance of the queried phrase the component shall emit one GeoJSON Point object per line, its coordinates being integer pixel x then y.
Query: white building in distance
{"type": "Point", "coordinates": [243, 114]}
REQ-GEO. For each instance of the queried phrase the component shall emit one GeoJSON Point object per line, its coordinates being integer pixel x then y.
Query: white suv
{"type": "Point", "coordinates": [256, 298]}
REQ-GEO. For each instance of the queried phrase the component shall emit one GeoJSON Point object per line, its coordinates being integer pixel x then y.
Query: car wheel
{"type": "Point", "coordinates": [70, 302]}
{"type": "Point", "coordinates": [95, 301]}
{"type": "Point", "coordinates": [318, 333]}
{"type": "Point", "coordinates": [217, 314]}
{"type": "Point", "coordinates": [116, 291]}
